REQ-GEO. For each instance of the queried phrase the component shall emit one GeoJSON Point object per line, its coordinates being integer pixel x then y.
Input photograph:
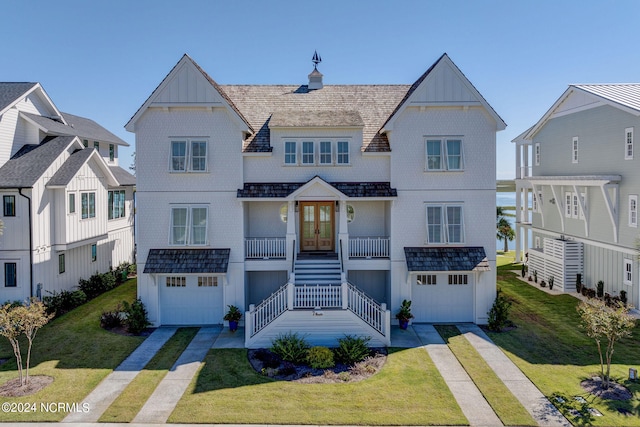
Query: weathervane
{"type": "Point", "coordinates": [316, 59]}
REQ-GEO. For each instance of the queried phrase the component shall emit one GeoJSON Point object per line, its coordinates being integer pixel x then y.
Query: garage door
{"type": "Point", "coordinates": [191, 300]}
{"type": "Point", "coordinates": [442, 298]}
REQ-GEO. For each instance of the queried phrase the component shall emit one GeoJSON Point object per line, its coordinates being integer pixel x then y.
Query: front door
{"type": "Point", "coordinates": [316, 226]}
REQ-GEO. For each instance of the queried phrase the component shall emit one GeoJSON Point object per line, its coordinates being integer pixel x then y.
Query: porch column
{"type": "Point", "coordinates": [291, 230]}
{"type": "Point", "coordinates": [343, 231]}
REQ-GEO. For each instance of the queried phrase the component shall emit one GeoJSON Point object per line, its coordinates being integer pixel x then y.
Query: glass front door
{"type": "Point", "coordinates": [316, 226]}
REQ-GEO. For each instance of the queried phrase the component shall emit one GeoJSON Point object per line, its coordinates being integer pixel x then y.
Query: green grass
{"type": "Point", "coordinates": [503, 402]}
{"type": "Point", "coordinates": [128, 404]}
{"type": "Point", "coordinates": [505, 258]}
{"type": "Point", "coordinates": [407, 391]}
{"type": "Point", "coordinates": [551, 348]}
{"type": "Point", "coordinates": [75, 351]}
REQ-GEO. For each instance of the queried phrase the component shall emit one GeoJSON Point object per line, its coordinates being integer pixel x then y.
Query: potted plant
{"type": "Point", "coordinates": [404, 314]}
{"type": "Point", "coordinates": [233, 316]}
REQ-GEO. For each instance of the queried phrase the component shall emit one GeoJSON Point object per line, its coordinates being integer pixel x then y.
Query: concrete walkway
{"type": "Point", "coordinates": [471, 401]}
{"type": "Point", "coordinates": [170, 390]}
{"type": "Point", "coordinates": [110, 388]}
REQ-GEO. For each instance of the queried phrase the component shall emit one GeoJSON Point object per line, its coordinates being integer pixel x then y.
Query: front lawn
{"type": "Point", "coordinates": [75, 351]}
{"type": "Point", "coordinates": [551, 348]}
{"type": "Point", "coordinates": [407, 391]}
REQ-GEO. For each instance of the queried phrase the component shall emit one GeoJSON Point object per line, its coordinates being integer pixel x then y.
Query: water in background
{"type": "Point", "coordinates": [509, 200]}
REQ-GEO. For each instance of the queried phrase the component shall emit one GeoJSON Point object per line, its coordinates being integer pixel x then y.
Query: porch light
{"type": "Point", "coordinates": [296, 206]}
{"type": "Point", "coordinates": [337, 206]}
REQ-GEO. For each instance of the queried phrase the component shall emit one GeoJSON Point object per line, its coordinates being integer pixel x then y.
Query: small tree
{"type": "Point", "coordinates": [605, 323]}
{"type": "Point", "coordinates": [11, 328]}
{"type": "Point", "coordinates": [34, 317]}
{"type": "Point", "coordinates": [499, 313]}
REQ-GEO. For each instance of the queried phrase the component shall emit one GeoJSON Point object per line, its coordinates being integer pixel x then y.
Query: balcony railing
{"type": "Point", "coordinates": [369, 247]}
{"type": "Point", "coordinates": [265, 247]}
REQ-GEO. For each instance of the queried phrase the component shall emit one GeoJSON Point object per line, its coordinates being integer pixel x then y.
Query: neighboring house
{"type": "Point", "coordinates": [67, 209]}
{"type": "Point", "coordinates": [316, 208]}
{"type": "Point", "coordinates": [579, 166]}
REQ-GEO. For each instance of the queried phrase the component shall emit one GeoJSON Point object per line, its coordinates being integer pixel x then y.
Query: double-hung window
{"type": "Point", "coordinates": [112, 152]}
{"type": "Point", "coordinates": [572, 205]}
{"type": "Point", "coordinates": [444, 154]}
{"type": "Point", "coordinates": [188, 155]}
{"type": "Point", "coordinates": [628, 144]}
{"type": "Point", "coordinates": [9, 205]}
{"type": "Point", "coordinates": [343, 153]}
{"type": "Point", "coordinates": [88, 202]}
{"type": "Point", "coordinates": [290, 154]}
{"type": "Point", "coordinates": [574, 150]}
{"type": "Point", "coordinates": [445, 223]}
{"type": "Point", "coordinates": [116, 204]}
{"type": "Point", "coordinates": [633, 210]}
{"type": "Point", "coordinates": [308, 157]}
{"type": "Point", "coordinates": [189, 225]}
{"type": "Point", "coordinates": [627, 272]}
{"type": "Point", "coordinates": [72, 203]}
{"type": "Point", "coordinates": [10, 274]}
{"type": "Point", "coordinates": [325, 153]}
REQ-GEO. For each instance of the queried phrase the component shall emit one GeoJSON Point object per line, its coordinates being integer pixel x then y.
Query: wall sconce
{"type": "Point", "coordinates": [296, 207]}
{"type": "Point", "coordinates": [337, 206]}
{"type": "Point", "coordinates": [552, 201]}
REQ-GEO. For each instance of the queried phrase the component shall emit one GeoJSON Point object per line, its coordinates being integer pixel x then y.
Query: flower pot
{"type": "Point", "coordinates": [404, 324]}
{"type": "Point", "coordinates": [233, 325]}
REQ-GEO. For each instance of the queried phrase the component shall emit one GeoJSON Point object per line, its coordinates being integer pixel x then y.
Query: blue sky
{"type": "Point", "coordinates": [102, 59]}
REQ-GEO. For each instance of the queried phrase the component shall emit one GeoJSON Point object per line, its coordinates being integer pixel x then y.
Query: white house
{"type": "Point", "coordinates": [67, 205]}
{"type": "Point", "coordinates": [316, 208]}
{"type": "Point", "coordinates": [579, 167]}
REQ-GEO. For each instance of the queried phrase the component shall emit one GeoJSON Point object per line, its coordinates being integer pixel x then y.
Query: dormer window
{"type": "Point", "coordinates": [317, 153]}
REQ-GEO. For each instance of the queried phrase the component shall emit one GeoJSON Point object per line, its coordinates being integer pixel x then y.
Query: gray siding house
{"type": "Point", "coordinates": [577, 187]}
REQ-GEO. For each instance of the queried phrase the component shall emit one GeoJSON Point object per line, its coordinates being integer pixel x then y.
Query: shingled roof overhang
{"type": "Point", "coordinates": [186, 261]}
{"type": "Point", "coordinates": [469, 258]}
{"type": "Point", "coordinates": [281, 190]}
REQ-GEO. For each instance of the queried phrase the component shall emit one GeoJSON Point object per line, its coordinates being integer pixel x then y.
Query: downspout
{"type": "Point", "coordinates": [30, 245]}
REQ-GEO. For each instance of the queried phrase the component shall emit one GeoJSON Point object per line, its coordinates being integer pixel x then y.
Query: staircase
{"type": "Point", "coordinates": [317, 271]}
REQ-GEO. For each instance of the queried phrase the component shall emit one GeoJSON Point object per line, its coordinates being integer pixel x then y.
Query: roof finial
{"type": "Point", "coordinates": [316, 59]}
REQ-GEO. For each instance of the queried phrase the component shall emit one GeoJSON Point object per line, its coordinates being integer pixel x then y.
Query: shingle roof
{"type": "Point", "coordinates": [70, 167]}
{"type": "Point", "coordinates": [187, 261]}
{"type": "Point", "coordinates": [284, 189]}
{"type": "Point", "coordinates": [373, 103]}
{"type": "Point", "coordinates": [123, 177]}
{"type": "Point", "coordinates": [10, 91]}
{"type": "Point", "coordinates": [626, 94]}
{"type": "Point", "coordinates": [446, 258]}
{"type": "Point", "coordinates": [79, 126]}
{"type": "Point", "coordinates": [28, 164]}
{"type": "Point", "coordinates": [332, 119]}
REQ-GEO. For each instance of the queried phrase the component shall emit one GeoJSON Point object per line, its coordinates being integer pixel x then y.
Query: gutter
{"type": "Point", "coordinates": [30, 245]}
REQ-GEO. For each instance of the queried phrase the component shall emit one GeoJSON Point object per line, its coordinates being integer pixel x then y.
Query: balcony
{"type": "Point", "coordinates": [368, 247]}
{"type": "Point", "coordinates": [265, 248]}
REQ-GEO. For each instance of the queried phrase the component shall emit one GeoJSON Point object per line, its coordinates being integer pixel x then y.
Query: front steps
{"type": "Point", "coordinates": [317, 271]}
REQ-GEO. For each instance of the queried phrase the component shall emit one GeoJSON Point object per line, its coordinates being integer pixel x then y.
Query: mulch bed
{"type": "Point", "coordinates": [269, 364]}
{"type": "Point", "coordinates": [13, 388]}
{"type": "Point", "coordinates": [614, 392]}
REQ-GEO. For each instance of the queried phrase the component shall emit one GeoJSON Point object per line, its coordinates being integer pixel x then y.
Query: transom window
{"type": "Point", "coordinates": [444, 154]}
{"type": "Point", "coordinates": [188, 155]}
{"type": "Point", "coordinates": [316, 152]}
{"type": "Point", "coordinates": [458, 279]}
{"type": "Point", "coordinates": [189, 225]}
{"type": "Point", "coordinates": [207, 281]}
{"type": "Point", "coordinates": [628, 143]}
{"type": "Point", "coordinates": [445, 224]}
{"type": "Point", "coordinates": [116, 204]}
{"type": "Point", "coordinates": [176, 281]}
{"type": "Point", "coordinates": [88, 202]}
{"type": "Point", "coordinates": [9, 205]}
{"type": "Point", "coordinates": [10, 274]}
{"type": "Point", "coordinates": [633, 210]}
{"type": "Point", "coordinates": [426, 279]}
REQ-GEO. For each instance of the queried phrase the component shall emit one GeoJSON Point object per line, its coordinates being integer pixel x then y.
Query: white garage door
{"type": "Point", "coordinates": [442, 298]}
{"type": "Point", "coordinates": [190, 300]}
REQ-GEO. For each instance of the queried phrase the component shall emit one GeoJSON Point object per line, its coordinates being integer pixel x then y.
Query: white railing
{"type": "Point", "coordinates": [265, 247]}
{"type": "Point", "coordinates": [367, 309]}
{"type": "Point", "coordinates": [317, 296]}
{"type": "Point", "coordinates": [369, 247]}
{"type": "Point", "coordinates": [268, 310]}
{"type": "Point", "coordinates": [525, 172]}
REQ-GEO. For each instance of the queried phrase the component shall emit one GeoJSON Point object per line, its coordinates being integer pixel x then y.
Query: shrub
{"type": "Point", "coordinates": [600, 287]}
{"type": "Point", "coordinates": [320, 358]}
{"type": "Point", "coordinates": [133, 269]}
{"type": "Point", "coordinates": [121, 272]}
{"type": "Point", "coordinates": [112, 319]}
{"type": "Point", "coordinates": [499, 313]}
{"type": "Point", "coordinates": [58, 303]}
{"type": "Point", "coordinates": [290, 347]}
{"type": "Point", "coordinates": [352, 349]}
{"type": "Point", "coordinates": [136, 319]}
{"type": "Point", "coordinates": [623, 297]}
{"type": "Point", "coordinates": [97, 284]}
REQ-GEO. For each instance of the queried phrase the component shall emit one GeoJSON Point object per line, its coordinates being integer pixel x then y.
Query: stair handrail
{"type": "Point", "coordinates": [269, 309]}
{"type": "Point", "coordinates": [293, 256]}
{"type": "Point", "coordinates": [340, 256]}
{"type": "Point", "coordinates": [373, 313]}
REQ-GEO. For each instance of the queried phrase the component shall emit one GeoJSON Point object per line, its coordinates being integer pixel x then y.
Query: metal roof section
{"type": "Point", "coordinates": [623, 94]}
{"type": "Point", "coordinates": [187, 261]}
{"type": "Point", "coordinates": [469, 258]}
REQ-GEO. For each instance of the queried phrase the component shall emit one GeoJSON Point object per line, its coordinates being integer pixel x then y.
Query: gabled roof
{"type": "Point", "coordinates": [124, 178]}
{"type": "Point", "coordinates": [72, 165]}
{"type": "Point", "coordinates": [624, 96]}
{"type": "Point", "coordinates": [78, 126]}
{"type": "Point", "coordinates": [11, 92]}
{"type": "Point", "coordinates": [185, 261]}
{"type": "Point", "coordinates": [186, 59]}
{"type": "Point", "coordinates": [469, 258]}
{"type": "Point", "coordinates": [31, 161]}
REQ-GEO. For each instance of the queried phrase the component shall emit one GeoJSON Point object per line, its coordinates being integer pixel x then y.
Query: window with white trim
{"type": "Point", "coordinates": [207, 281]}
{"type": "Point", "coordinates": [426, 279]}
{"type": "Point", "coordinates": [633, 210]}
{"type": "Point", "coordinates": [572, 205]}
{"type": "Point", "coordinates": [72, 203]}
{"type": "Point", "coordinates": [574, 150]}
{"type": "Point", "coordinates": [628, 272]}
{"type": "Point", "coordinates": [445, 223]}
{"type": "Point", "coordinates": [628, 144]}
{"type": "Point", "coordinates": [61, 264]}
{"type": "Point", "coordinates": [308, 157]}
{"type": "Point", "coordinates": [189, 225]}
{"type": "Point", "coordinates": [290, 154]}
{"type": "Point", "coordinates": [88, 202]}
{"type": "Point", "coordinates": [444, 154]}
{"type": "Point", "coordinates": [112, 152]}
{"type": "Point", "coordinates": [567, 204]}
{"type": "Point", "coordinates": [9, 205]}
{"type": "Point", "coordinates": [317, 153]}
{"type": "Point", "coordinates": [10, 274]}
{"type": "Point", "coordinates": [343, 153]}
{"type": "Point", "coordinates": [537, 242]}
{"type": "Point", "coordinates": [94, 252]}
{"type": "Point", "coordinates": [176, 281]}
{"type": "Point", "coordinates": [536, 154]}
{"type": "Point", "coordinates": [534, 201]}
{"type": "Point", "coordinates": [115, 204]}
{"type": "Point", "coordinates": [326, 157]}
{"type": "Point", "coordinates": [458, 279]}
{"type": "Point", "coordinates": [188, 155]}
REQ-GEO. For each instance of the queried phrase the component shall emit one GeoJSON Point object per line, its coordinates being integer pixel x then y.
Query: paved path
{"type": "Point", "coordinates": [110, 388]}
{"type": "Point", "coordinates": [471, 401]}
{"type": "Point", "coordinates": [522, 388]}
{"type": "Point", "coordinates": [170, 390]}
